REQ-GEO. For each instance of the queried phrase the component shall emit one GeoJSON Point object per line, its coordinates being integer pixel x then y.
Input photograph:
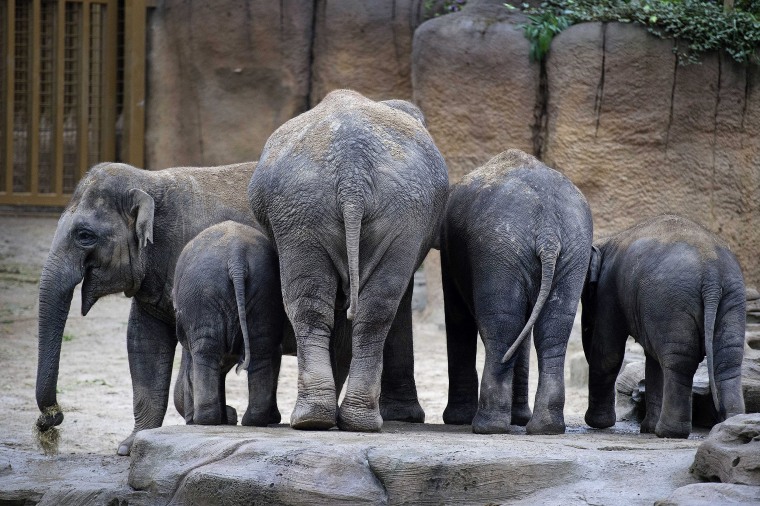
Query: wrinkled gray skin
{"type": "Point", "coordinates": [353, 193]}
{"type": "Point", "coordinates": [679, 291]}
{"type": "Point", "coordinates": [229, 308]}
{"type": "Point", "coordinates": [123, 231]}
{"type": "Point", "coordinates": [515, 249]}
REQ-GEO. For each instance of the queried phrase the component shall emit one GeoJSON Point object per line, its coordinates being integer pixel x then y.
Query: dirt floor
{"type": "Point", "coordinates": [94, 384]}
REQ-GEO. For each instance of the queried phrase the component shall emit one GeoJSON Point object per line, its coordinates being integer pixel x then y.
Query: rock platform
{"type": "Point", "coordinates": [404, 464]}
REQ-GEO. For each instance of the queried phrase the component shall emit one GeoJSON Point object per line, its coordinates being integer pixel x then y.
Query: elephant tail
{"type": "Point", "coordinates": [237, 275]}
{"type": "Point", "coordinates": [548, 254]}
{"type": "Point", "coordinates": [710, 301]}
{"type": "Point", "coordinates": [352, 219]}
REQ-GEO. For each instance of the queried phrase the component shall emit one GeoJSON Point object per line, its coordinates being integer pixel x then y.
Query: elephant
{"type": "Point", "coordinates": [123, 231]}
{"type": "Point", "coordinates": [227, 302]}
{"type": "Point", "coordinates": [679, 291]}
{"type": "Point", "coordinates": [515, 248]}
{"type": "Point", "coordinates": [352, 193]}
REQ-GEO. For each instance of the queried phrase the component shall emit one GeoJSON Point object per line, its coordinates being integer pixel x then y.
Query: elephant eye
{"type": "Point", "coordinates": [85, 237]}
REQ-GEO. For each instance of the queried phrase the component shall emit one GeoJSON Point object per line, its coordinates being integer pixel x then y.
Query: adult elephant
{"type": "Point", "coordinates": [353, 193]}
{"type": "Point", "coordinates": [123, 231]}
{"type": "Point", "coordinates": [515, 250]}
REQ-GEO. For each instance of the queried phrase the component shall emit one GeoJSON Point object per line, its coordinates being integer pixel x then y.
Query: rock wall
{"type": "Point", "coordinates": [610, 107]}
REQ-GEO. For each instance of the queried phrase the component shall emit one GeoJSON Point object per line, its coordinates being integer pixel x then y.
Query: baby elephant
{"type": "Point", "coordinates": [228, 303]}
{"type": "Point", "coordinates": [678, 290]}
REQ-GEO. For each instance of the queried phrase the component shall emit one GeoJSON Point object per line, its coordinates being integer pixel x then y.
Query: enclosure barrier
{"type": "Point", "coordinates": [72, 90]}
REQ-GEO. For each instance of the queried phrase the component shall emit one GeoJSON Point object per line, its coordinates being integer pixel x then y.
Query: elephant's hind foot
{"type": "Point", "coordinates": [401, 411]}
{"type": "Point", "coordinates": [521, 414]}
{"type": "Point", "coordinates": [313, 415]}
{"type": "Point", "coordinates": [600, 418]}
{"type": "Point", "coordinates": [678, 430]}
{"type": "Point", "coordinates": [358, 418]}
{"type": "Point", "coordinates": [459, 414]}
{"type": "Point", "coordinates": [231, 415]}
{"type": "Point", "coordinates": [491, 422]}
{"type": "Point", "coordinates": [549, 424]}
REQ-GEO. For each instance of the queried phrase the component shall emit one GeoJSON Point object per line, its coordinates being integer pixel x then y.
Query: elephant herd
{"type": "Point", "coordinates": [317, 259]}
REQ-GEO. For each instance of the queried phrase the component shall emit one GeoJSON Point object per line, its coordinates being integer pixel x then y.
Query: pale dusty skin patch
{"type": "Point", "coordinates": [671, 229]}
{"type": "Point", "coordinates": [495, 169]}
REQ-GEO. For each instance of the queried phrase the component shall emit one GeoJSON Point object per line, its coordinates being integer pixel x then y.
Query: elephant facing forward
{"type": "Point", "coordinates": [353, 193]}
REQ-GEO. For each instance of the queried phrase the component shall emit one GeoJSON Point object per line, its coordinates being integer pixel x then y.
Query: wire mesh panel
{"type": "Point", "coordinates": [58, 92]}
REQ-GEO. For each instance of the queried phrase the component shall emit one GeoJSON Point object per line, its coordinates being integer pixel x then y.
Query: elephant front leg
{"type": "Point", "coordinates": [521, 413]}
{"type": "Point", "coordinates": [398, 393]}
{"type": "Point", "coordinates": [150, 346]}
{"type": "Point", "coordinates": [461, 349]}
{"type": "Point", "coordinates": [262, 382]}
{"type": "Point", "coordinates": [653, 381]}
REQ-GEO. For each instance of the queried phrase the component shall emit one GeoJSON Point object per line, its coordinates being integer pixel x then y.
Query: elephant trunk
{"type": "Point", "coordinates": [57, 284]}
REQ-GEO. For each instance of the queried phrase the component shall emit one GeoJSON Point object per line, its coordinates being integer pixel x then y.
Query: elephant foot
{"type": "Point", "coordinates": [125, 447]}
{"type": "Point", "coordinates": [600, 418]}
{"type": "Point", "coordinates": [521, 414]}
{"type": "Point", "coordinates": [358, 418]}
{"type": "Point", "coordinates": [678, 430]}
{"type": "Point", "coordinates": [401, 411]}
{"type": "Point", "coordinates": [492, 422]}
{"type": "Point", "coordinates": [274, 415]}
{"type": "Point", "coordinates": [648, 424]}
{"type": "Point", "coordinates": [232, 416]}
{"type": "Point", "coordinates": [309, 415]}
{"type": "Point", "coordinates": [459, 414]}
{"type": "Point", "coordinates": [549, 424]}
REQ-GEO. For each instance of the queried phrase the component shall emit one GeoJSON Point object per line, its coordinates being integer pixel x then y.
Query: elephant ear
{"type": "Point", "coordinates": [143, 208]}
{"type": "Point", "coordinates": [595, 265]}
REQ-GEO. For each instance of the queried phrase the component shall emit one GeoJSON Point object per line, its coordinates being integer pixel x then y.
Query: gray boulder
{"type": "Point", "coordinates": [731, 453]}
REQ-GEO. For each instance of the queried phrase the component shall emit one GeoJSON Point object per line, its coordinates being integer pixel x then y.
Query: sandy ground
{"type": "Point", "coordinates": [94, 384]}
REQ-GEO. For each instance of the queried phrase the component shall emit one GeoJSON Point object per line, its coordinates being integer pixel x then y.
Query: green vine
{"type": "Point", "coordinates": [700, 26]}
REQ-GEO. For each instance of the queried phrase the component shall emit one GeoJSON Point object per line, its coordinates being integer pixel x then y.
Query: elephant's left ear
{"type": "Point", "coordinates": [143, 207]}
{"type": "Point", "coordinates": [595, 265]}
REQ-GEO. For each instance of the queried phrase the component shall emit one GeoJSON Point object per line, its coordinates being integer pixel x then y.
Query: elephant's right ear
{"type": "Point", "coordinates": [142, 207]}
{"type": "Point", "coordinates": [595, 265]}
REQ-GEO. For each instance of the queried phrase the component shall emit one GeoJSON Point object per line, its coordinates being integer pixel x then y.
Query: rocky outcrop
{"type": "Point", "coordinates": [222, 76]}
{"type": "Point", "coordinates": [641, 135]}
{"type": "Point", "coordinates": [711, 494]}
{"type": "Point", "coordinates": [364, 46]}
{"type": "Point", "coordinates": [473, 80]}
{"type": "Point", "coordinates": [731, 453]}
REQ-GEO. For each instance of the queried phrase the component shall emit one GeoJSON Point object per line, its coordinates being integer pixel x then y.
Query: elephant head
{"type": "Point", "coordinates": [100, 241]}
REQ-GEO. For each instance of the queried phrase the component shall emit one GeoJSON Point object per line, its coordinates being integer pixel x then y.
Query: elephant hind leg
{"type": "Point", "coordinates": [398, 393]}
{"type": "Point", "coordinates": [309, 284]}
{"type": "Point", "coordinates": [653, 381]}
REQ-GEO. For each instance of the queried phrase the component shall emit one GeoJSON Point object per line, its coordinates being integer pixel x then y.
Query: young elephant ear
{"type": "Point", "coordinates": [595, 265]}
{"type": "Point", "coordinates": [143, 207]}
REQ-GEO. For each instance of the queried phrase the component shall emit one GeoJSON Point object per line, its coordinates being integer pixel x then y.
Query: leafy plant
{"type": "Point", "coordinates": [68, 337]}
{"type": "Point", "coordinates": [700, 26]}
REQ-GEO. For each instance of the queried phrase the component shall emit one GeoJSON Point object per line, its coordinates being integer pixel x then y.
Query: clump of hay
{"type": "Point", "coordinates": [47, 440]}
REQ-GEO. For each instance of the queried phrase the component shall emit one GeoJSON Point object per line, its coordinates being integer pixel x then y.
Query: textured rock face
{"type": "Point", "coordinates": [473, 80]}
{"type": "Point", "coordinates": [642, 136]}
{"type": "Point", "coordinates": [222, 76]}
{"type": "Point", "coordinates": [731, 453]}
{"type": "Point", "coordinates": [364, 46]}
{"type": "Point", "coordinates": [711, 494]}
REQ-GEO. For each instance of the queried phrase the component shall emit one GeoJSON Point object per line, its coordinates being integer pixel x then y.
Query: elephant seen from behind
{"type": "Point", "coordinates": [352, 194]}
{"type": "Point", "coordinates": [515, 249]}
{"type": "Point", "coordinates": [229, 311]}
{"type": "Point", "coordinates": [679, 291]}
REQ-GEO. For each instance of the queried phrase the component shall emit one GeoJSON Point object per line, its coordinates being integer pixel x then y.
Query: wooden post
{"type": "Point", "coordinates": [83, 128]}
{"type": "Point", "coordinates": [109, 81]}
{"type": "Point", "coordinates": [10, 29]}
{"type": "Point", "coordinates": [34, 100]}
{"type": "Point", "coordinates": [134, 82]}
{"type": "Point", "coordinates": [60, 54]}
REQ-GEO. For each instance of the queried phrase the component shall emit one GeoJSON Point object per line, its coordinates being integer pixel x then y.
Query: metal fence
{"type": "Point", "coordinates": [62, 93]}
